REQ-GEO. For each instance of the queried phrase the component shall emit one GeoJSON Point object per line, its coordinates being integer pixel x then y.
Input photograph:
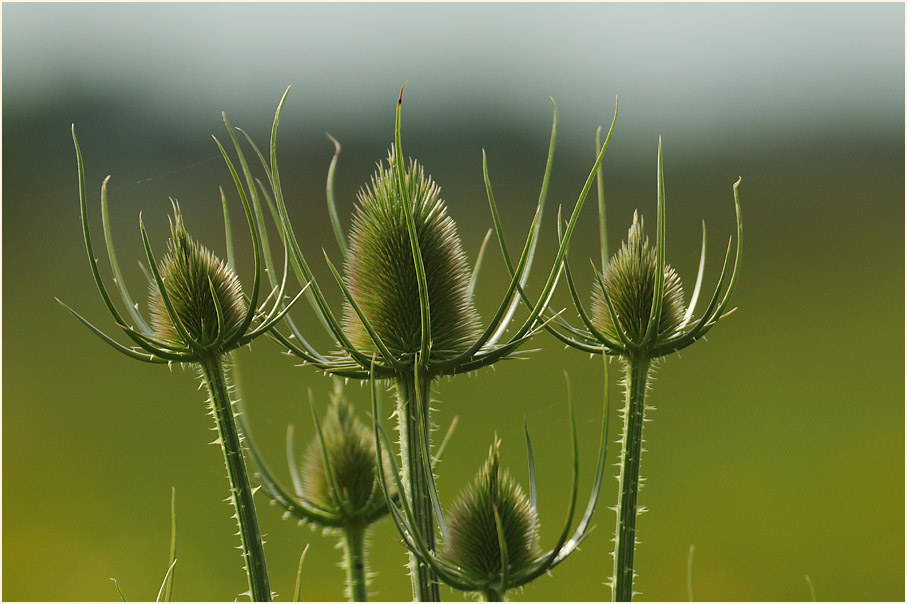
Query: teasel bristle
{"type": "Point", "coordinates": [189, 271]}
{"type": "Point", "coordinates": [350, 449]}
{"type": "Point", "coordinates": [473, 542]}
{"type": "Point", "coordinates": [629, 280]}
{"type": "Point", "coordinates": [380, 269]}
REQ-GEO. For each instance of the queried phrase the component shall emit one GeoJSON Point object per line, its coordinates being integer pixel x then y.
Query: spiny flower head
{"type": "Point", "coordinates": [629, 280]}
{"type": "Point", "coordinates": [473, 543]}
{"type": "Point", "coordinates": [380, 269]}
{"type": "Point", "coordinates": [350, 490]}
{"type": "Point", "coordinates": [193, 276]}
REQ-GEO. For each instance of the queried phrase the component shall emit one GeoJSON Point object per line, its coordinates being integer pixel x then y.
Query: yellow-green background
{"type": "Point", "coordinates": [776, 447]}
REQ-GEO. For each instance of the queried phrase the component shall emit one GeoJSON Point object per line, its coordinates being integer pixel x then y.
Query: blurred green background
{"type": "Point", "coordinates": [776, 448]}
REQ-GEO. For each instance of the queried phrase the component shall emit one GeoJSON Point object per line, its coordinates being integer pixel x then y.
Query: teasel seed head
{"type": "Point", "coordinates": [380, 269]}
{"type": "Point", "coordinates": [190, 272]}
{"type": "Point", "coordinates": [629, 280]}
{"type": "Point", "coordinates": [350, 451]}
{"type": "Point", "coordinates": [473, 542]}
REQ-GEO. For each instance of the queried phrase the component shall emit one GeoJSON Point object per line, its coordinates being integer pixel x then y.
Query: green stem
{"type": "Point", "coordinates": [354, 560]}
{"type": "Point", "coordinates": [212, 372]}
{"type": "Point", "coordinates": [490, 595]}
{"type": "Point", "coordinates": [631, 451]}
{"type": "Point", "coordinates": [426, 587]}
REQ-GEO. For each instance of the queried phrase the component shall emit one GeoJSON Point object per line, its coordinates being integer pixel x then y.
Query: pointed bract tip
{"type": "Point", "coordinates": [335, 141]}
{"type": "Point", "coordinates": [400, 98]}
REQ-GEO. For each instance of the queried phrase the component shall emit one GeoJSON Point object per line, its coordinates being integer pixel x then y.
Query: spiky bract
{"type": "Point", "coordinates": [629, 280]}
{"type": "Point", "coordinates": [473, 542]}
{"type": "Point", "coordinates": [380, 269]}
{"type": "Point", "coordinates": [350, 451]}
{"type": "Point", "coordinates": [190, 272]}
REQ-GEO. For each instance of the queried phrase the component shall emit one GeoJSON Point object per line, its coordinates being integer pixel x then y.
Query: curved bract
{"type": "Point", "coordinates": [492, 510]}
{"type": "Point", "coordinates": [638, 300]}
{"type": "Point", "coordinates": [198, 315]}
{"type": "Point", "coordinates": [198, 309]}
{"type": "Point", "coordinates": [407, 290]}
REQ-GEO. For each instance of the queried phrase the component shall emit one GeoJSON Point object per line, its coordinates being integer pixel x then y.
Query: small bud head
{"type": "Point", "coordinates": [189, 270]}
{"type": "Point", "coordinates": [473, 542]}
{"type": "Point", "coordinates": [629, 280]}
{"type": "Point", "coordinates": [350, 449]}
{"type": "Point", "coordinates": [381, 274]}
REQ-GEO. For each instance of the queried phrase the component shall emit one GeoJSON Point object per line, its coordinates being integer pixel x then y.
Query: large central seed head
{"type": "Point", "coordinates": [381, 275]}
{"type": "Point", "coordinates": [189, 270]}
{"type": "Point", "coordinates": [630, 282]}
{"type": "Point", "coordinates": [473, 542]}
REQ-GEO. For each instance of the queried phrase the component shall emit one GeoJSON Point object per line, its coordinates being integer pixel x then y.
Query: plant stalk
{"type": "Point", "coordinates": [354, 560]}
{"type": "Point", "coordinates": [490, 595]}
{"type": "Point", "coordinates": [426, 587]}
{"type": "Point", "coordinates": [212, 372]}
{"type": "Point", "coordinates": [631, 451]}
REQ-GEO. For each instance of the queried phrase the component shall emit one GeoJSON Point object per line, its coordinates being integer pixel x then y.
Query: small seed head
{"type": "Point", "coordinates": [381, 274]}
{"type": "Point", "coordinates": [473, 542]}
{"type": "Point", "coordinates": [188, 271]}
{"type": "Point", "coordinates": [629, 280]}
{"type": "Point", "coordinates": [351, 454]}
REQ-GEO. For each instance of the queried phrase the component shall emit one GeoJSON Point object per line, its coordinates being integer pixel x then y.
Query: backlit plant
{"type": "Point", "coordinates": [408, 314]}
{"type": "Point", "coordinates": [638, 314]}
{"type": "Point", "coordinates": [199, 314]}
{"type": "Point", "coordinates": [408, 317]}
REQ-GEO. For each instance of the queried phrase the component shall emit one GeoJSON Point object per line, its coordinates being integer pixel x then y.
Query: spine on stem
{"type": "Point", "coordinates": [426, 587]}
{"type": "Point", "coordinates": [627, 503]}
{"type": "Point", "coordinates": [212, 372]}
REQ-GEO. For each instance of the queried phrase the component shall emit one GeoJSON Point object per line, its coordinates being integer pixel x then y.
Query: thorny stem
{"type": "Point", "coordinates": [354, 560]}
{"type": "Point", "coordinates": [426, 587]}
{"type": "Point", "coordinates": [212, 373]}
{"type": "Point", "coordinates": [631, 451]}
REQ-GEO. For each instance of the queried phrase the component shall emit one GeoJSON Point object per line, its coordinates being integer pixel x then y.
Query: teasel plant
{"type": "Point", "coordinates": [490, 537]}
{"type": "Point", "coordinates": [638, 314]}
{"type": "Point", "coordinates": [408, 314]}
{"type": "Point", "coordinates": [198, 315]}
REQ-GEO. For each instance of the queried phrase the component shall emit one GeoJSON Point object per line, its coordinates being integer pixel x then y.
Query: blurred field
{"type": "Point", "coordinates": [776, 447]}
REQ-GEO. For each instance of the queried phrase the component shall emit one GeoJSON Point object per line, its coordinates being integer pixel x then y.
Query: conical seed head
{"type": "Point", "coordinates": [381, 274]}
{"type": "Point", "coordinates": [188, 271]}
{"type": "Point", "coordinates": [629, 280]}
{"type": "Point", "coordinates": [351, 453]}
{"type": "Point", "coordinates": [473, 534]}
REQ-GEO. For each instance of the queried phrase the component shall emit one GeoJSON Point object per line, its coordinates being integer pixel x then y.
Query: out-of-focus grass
{"type": "Point", "coordinates": [776, 447]}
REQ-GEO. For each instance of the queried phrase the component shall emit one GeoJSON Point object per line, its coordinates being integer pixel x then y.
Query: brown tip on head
{"type": "Point", "coordinates": [400, 98]}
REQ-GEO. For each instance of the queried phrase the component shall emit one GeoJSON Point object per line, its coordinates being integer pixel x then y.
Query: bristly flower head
{"type": "Point", "coordinates": [380, 270]}
{"type": "Point", "coordinates": [338, 469]}
{"type": "Point", "coordinates": [492, 510]}
{"type": "Point", "coordinates": [198, 308]}
{"type": "Point", "coordinates": [629, 280]}
{"type": "Point", "coordinates": [197, 282]}
{"type": "Point", "coordinates": [408, 291]}
{"type": "Point", "coordinates": [638, 302]}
